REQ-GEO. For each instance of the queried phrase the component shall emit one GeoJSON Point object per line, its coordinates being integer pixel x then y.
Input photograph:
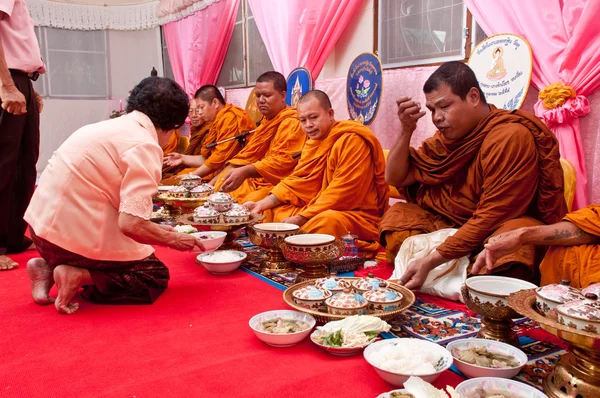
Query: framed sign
{"type": "Point", "coordinates": [364, 87]}
{"type": "Point", "coordinates": [503, 65]}
{"type": "Point", "coordinates": [299, 82]}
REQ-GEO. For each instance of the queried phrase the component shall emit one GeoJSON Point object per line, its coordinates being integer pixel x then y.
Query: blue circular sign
{"type": "Point", "coordinates": [364, 88]}
{"type": "Point", "coordinates": [299, 82]}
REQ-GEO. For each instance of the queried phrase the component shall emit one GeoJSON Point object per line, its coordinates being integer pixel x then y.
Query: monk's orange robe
{"type": "Point", "coordinates": [197, 141]}
{"type": "Point", "coordinates": [504, 175]}
{"type": "Point", "coordinates": [230, 121]}
{"type": "Point", "coordinates": [338, 185]}
{"type": "Point", "coordinates": [270, 150]}
{"type": "Point", "coordinates": [173, 143]}
{"type": "Point", "coordinates": [578, 264]}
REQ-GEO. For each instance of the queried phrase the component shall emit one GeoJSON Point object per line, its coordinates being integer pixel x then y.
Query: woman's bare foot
{"type": "Point", "coordinates": [68, 280]}
{"type": "Point", "coordinates": [41, 280]}
{"type": "Point", "coordinates": [7, 263]}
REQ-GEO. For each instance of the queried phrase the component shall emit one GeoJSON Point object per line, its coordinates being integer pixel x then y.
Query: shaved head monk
{"type": "Point", "coordinates": [485, 171]}
{"type": "Point", "coordinates": [268, 157]}
{"type": "Point", "coordinates": [227, 122]}
{"type": "Point", "coordinates": [199, 129]}
{"type": "Point", "coordinates": [574, 254]}
{"type": "Point", "coordinates": [338, 184]}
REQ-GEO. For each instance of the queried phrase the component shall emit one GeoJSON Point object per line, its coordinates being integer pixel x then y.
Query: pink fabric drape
{"type": "Point", "coordinates": [301, 32]}
{"type": "Point", "coordinates": [565, 42]}
{"type": "Point", "coordinates": [198, 44]}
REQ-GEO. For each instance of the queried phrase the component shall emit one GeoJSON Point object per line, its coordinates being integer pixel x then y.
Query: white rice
{"type": "Point", "coordinates": [410, 359]}
{"type": "Point", "coordinates": [222, 256]}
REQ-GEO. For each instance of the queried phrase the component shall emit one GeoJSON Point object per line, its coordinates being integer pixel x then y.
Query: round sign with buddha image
{"type": "Point", "coordinates": [502, 64]}
{"type": "Point", "coordinates": [299, 82]}
{"type": "Point", "coordinates": [364, 87]}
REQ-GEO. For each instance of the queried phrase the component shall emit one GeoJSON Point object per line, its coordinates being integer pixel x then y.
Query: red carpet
{"type": "Point", "coordinates": [193, 342]}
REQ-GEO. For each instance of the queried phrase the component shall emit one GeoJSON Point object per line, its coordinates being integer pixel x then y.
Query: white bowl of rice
{"type": "Point", "coordinates": [395, 360]}
{"type": "Point", "coordinates": [221, 262]}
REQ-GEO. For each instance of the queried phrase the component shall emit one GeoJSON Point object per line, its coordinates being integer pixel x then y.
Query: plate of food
{"type": "Point", "coordinates": [349, 336]}
{"type": "Point", "coordinates": [415, 387]}
{"type": "Point", "coordinates": [282, 328]}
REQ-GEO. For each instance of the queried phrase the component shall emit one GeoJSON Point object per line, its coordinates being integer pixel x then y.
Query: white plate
{"type": "Point", "coordinates": [387, 394]}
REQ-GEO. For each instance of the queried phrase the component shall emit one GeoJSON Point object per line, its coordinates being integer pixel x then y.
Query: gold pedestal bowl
{"type": "Point", "coordinates": [488, 297]}
{"type": "Point", "coordinates": [179, 206]}
{"type": "Point", "coordinates": [270, 236]}
{"type": "Point", "coordinates": [313, 252]}
{"type": "Point", "coordinates": [577, 374]}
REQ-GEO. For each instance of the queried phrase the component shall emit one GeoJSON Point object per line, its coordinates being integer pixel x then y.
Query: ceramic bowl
{"type": "Point", "coordinates": [389, 393]}
{"type": "Point", "coordinates": [548, 297]}
{"type": "Point", "coordinates": [488, 295]}
{"type": "Point", "coordinates": [333, 283]}
{"type": "Point", "coordinates": [497, 385]}
{"type": "Point", "coordinates": [581, 314]}
{"type": "Point", "coordinates": [370, 282]}
{"type": "Point", "coordinates": [270, 235]}
{"type": "Point", "coordinates": [281, 340]}
{"type": "Point", "coordinates": [382, 300]}
{"type": "Point", "coordinates": [165, 188]}
{"type": "Point", "coordinates": [201, 191]}
{"type": "Point", "coordinates": [593, 288]}
{"type": "Point", "coordinates": [211, 240]}
{"type": "Point", "coordinates": [311, 249]}
{"type": "Point", "coordinates": [237, 214]}
{"type": "Point", "coordinates": [397, 379]}
{"type": "Point", "coordinates": [346, 303]}
{"type": "Point", "coordinates": [221, 201]}
{"type": "Point", "coordinates": [190, 181]}
{"type": "Point", "coordinates": [312, 298]}
{"type": "Point", "coordinates": [179, 192]}
{"type": "Point", "coordinates": [472, 370]}
{"type": "Point", "coordinates": [216, 266]}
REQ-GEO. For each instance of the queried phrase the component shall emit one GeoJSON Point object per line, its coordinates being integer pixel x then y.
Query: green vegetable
{"type": "Point", "coordinates": [372, 334]}
{"type": "Point", "coordinates": [334, 339]}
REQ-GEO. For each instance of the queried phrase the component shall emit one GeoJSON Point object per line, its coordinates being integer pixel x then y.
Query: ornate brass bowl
{"type": "Point", "coordinates": [270, 236]}
{"type": "Point", "coordinates": [181, 205]}
{"type": "Point", "coordinates": [577, 374]}
{"type": "Point", "coordinates": [313, 252]}
{"type": "Point", "coordinates": [488, 297]}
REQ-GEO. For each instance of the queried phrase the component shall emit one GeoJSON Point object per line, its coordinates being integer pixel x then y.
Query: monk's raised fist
{"type": "Point", "coordinates": [409, 112]}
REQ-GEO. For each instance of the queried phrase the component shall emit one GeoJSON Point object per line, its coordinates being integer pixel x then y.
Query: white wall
{"type": "Point", "coordinates": [132, 54]}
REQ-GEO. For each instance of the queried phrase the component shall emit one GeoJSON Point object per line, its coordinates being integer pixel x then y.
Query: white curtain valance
{"type": "Point", "coordinates": [174, 10]}
{"type": "Point", "coordinates": [91, 17]}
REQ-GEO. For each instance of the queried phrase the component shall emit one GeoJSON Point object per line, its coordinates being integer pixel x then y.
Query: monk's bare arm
{"type": "Point", "coordinates": [398, 171]}
{"type": "Point", "coordinates": [561, 234]}
{"type": "Point", "coordinates": [193, 160]}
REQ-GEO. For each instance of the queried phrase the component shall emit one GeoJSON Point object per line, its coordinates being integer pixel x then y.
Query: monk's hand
{"type": "Point", "coordinates": [253, 207]}
{"type": "Point", "coordinates": [409, 112]}
{"type": "Point", "coordinates": [233, 179]}
{"type": "Point", "coordinates": [13, 101]}
{"type": "Point", "coordinates": [415, 275]}
{"type": "Point", "coordinates": [484, 263]}
{"type": "Point", "coordinates": [173, 159]}
{"type": "Point", "coordinates": [40, 102]}
{"type": "Point", "coordinates": [506, 243]}
{"type": "Point", "coordinates": [297, 220]}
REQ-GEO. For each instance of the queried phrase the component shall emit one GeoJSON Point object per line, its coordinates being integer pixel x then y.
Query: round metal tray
{"type": "Point", "coordinates": [408, 299]}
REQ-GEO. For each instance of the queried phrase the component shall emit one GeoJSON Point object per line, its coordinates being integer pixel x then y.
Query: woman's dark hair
{"type": "Point", "coordinates": [162, 100]}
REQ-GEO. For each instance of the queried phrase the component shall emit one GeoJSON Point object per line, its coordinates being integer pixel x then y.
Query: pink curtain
{"type": "Point", "coordinates": [565, 42]}
{"type": "Point", "coordinates": [302, 32]}
{"type": "Point", "coordinates": [198, 44]}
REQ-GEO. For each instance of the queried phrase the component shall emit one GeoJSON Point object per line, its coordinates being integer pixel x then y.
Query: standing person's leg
{"type": "Point", "coordinates": [12, 128]}
{"type": "Point", "coordinates": [25, 176]}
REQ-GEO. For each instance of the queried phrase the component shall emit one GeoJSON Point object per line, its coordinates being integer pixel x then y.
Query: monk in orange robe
{"type": "Point", "coordinates": [227, 121]}
{"type": "Point", "coordinates": [486, 171]}
{"type": "Point", "coordinates": [574, 254]}
{"type": "Point", "coordinates": [198, 132]}
{"type": "Point", "coordinates": [173, 144]}
{"type": "Point", "coordinates": [268, 157]}
{"type": "Point", "coordinates": [338, 185]}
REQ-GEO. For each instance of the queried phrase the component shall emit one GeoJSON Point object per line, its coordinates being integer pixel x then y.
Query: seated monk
{"type": "Point", "coordinates": [484, 172]}
{"type": "Point", "coordinates": [227, 122]}
{"type": "Point", "coordinates": [89, 217]}
{"type": "Point", "coordinates": [339, 183]}
{"type": "Point", "coordinates": [268, 157]}
{"type": "Point", "coordinates": [173, 145]}
{"type": "Point", "coordinates": [574, 254]}
{"type": "Point", "coordinates": [198, 133]}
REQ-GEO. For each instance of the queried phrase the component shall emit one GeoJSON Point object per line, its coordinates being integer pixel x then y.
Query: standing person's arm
{"type": "Point", "coordinates": [13, 101]}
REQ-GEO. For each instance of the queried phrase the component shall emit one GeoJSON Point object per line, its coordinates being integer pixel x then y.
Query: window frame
{"type": "Point", "coordinates": [47, 83]}
{"type": "Point", "coordinates": [468, 33]}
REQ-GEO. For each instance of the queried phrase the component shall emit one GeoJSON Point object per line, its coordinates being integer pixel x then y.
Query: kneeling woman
{"type": "Point", "coordinates": [89, 216]}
